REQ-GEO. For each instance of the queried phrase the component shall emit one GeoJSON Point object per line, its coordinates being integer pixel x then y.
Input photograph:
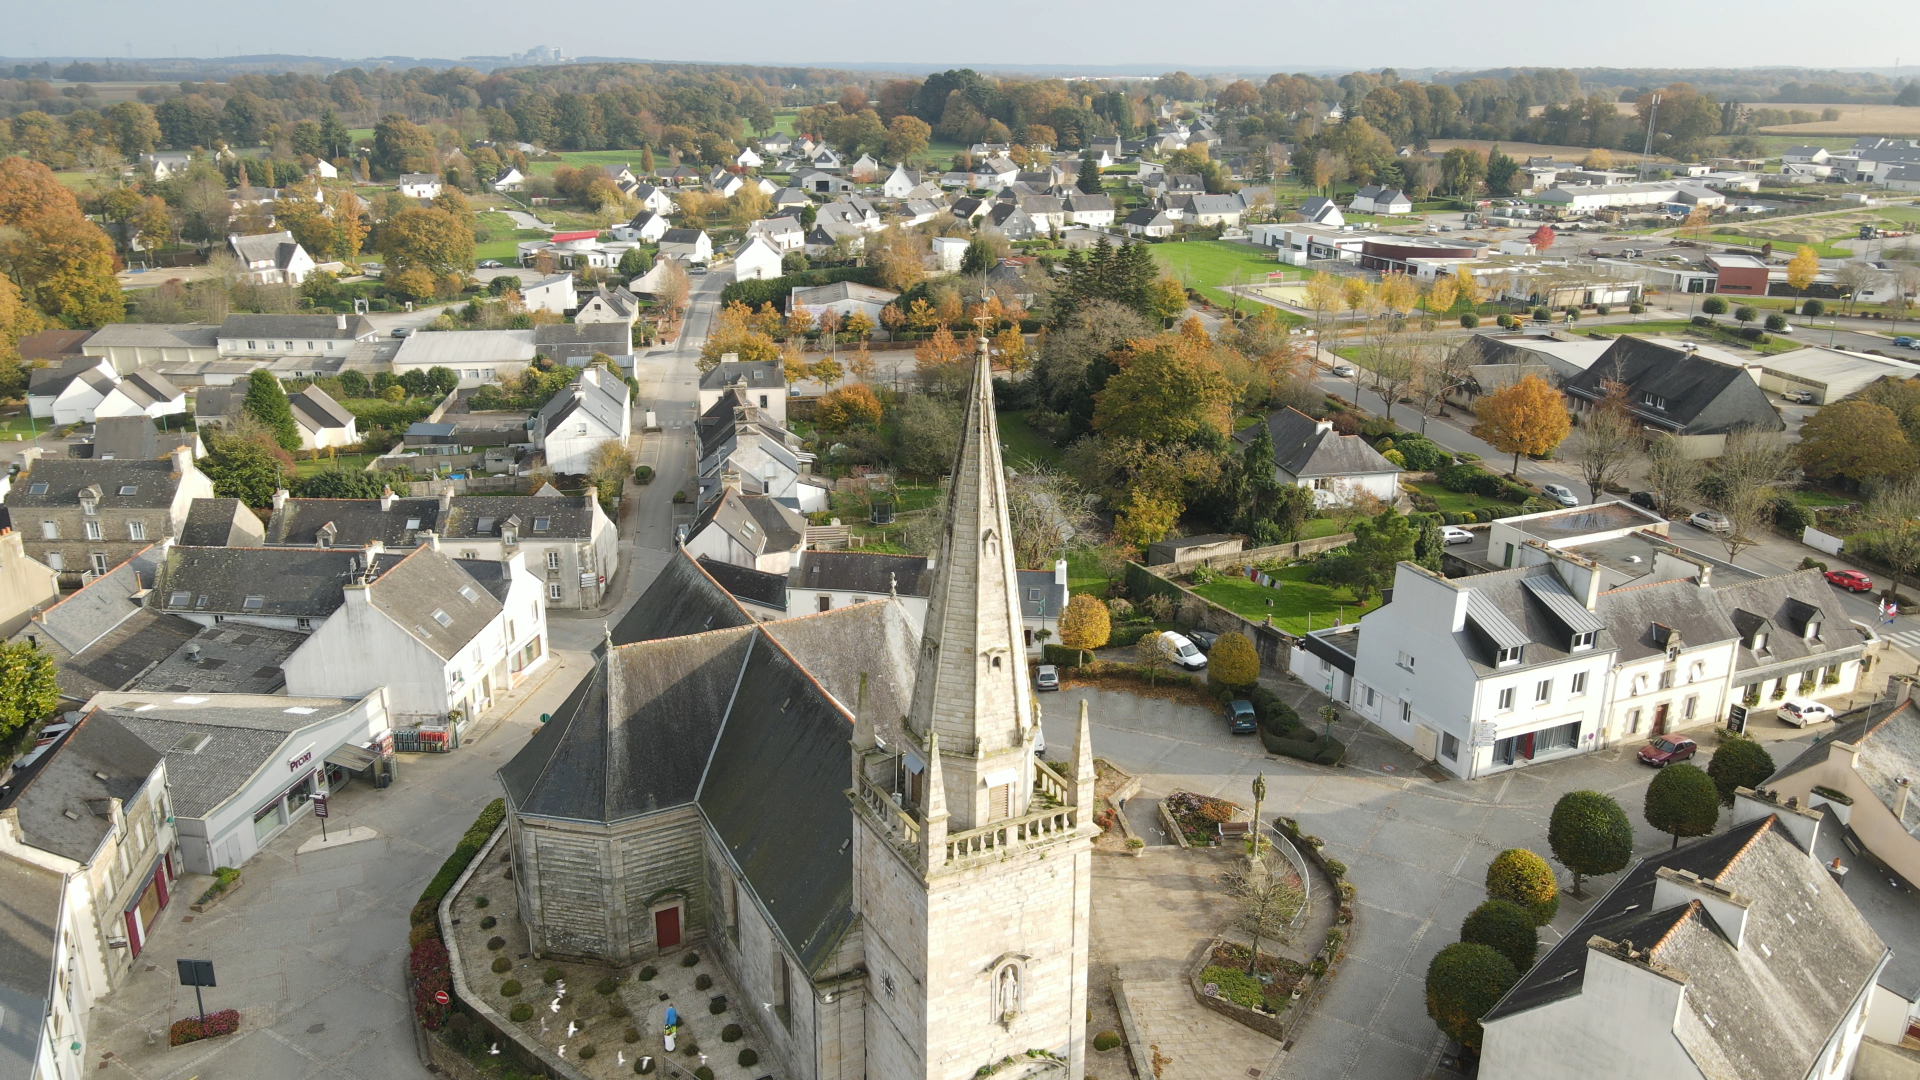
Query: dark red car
{"type": "Point", "coordinates": [1666, 750]}
{"type": "Point", "coordinates": [1850, 580]}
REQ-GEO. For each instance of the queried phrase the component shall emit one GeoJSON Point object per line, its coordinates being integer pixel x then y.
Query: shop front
{"type": "Point", "coordinates": [148, 901]}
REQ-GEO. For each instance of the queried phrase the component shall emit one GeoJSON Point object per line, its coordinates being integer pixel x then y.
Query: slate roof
{"type": "Point", "coordinates": [29, 936]}
{"type": "Point", "coordinates": [218, 402]}
{"type": "Point", "coordinates": [289, 582]}
{"type": "Point", "coordinates": [681, 237]}
{"type": "Point", "coordinates": [1738, 1017]}
{"type": "Point", "coordinates": [862, 571]}
{"type": "Point", "coordinates": [834, 292]}
{"type": "Point", "coordinates": [770, 374]}
{"type": "Point", "coordinates": [1702, 396]}
{"type": "Point", "coordinates": [430, 595]}
{"type": "Point", "coordinates": [1146, 217]}
{"type": "Point", "coordinates": [245, 731]}
{"type": "Point", "coordinates": [147, 387]}
{"type": "Point", "coordinates": [160, 335]}
{"type": "Point", "coordinates": [1787, 601]}
{"type": "Point", "coordinates": [569, 517]}
{"type": "Point", "coordinates": [1636, 612]}
{"type": "Point", "coordinates": [316, 410]}
{"type": "Point", "coordinates": [50, 381]}
{"type": "Point", "coordinates": [579, 341]}
{"type": "Point", "coordinates": [153, 484]}
{"type": "Point", "coordinates": [1888, 736]}
{"type": "Point", "coordinates": [757, 523]}
{"type": "Point", "coordinates": [746, 583]}
{"type": "Point", "coordinates": [231, 659]}
{"type": "Point", "coordinates": [53, 346]}
{"type": "Point", "coordinates": [682, 600]}
{"type": "Point", "coordinates": [1053, 595]}
{"type": "Point", "coordinates": [1302, 449]}
{"type": "Point", "coordinates": [275, 249]}
{"type": "Point", "coordinates": [1502, 612]}
{"type": "Point", "coordinates": [61, 803]}
{"type": "Point", "coordinates": [296, 326]}
{"type": "Point", "coordinates": [357, 522]}
{"type": "Point", "coordinates": [134, 437]}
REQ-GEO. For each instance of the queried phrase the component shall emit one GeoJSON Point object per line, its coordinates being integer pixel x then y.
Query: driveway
{"type": "Point", "coordinates": [1416, 850]}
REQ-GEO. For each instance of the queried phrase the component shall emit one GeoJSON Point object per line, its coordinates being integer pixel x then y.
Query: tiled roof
{"type": "Point", "coordinates": [124, 484]}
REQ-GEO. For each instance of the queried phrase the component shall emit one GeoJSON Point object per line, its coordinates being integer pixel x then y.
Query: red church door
{"type": "Point", "coordinates": [666, 927]}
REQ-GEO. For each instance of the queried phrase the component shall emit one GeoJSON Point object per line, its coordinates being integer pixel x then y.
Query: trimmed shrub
{"type": "Point", "coordinates": [489, 923]}
{"type": "Point", "coordinates": [1470, 320]}
{"type": "Point", "coordinates": [606, 985]}
{"type": "Point", "coordinates": [480, 901]}
{"type": "Point", "coordinates": [1702, 320]}
{"type": "Point", "coordinates": [502, 965]}
{"type": "Point", "coordinates": [1233, 663]}
{"type": "Point", "coordinates": [588, 1051]}
{"type": "Point", "coordinates": [520, 1013]}
{"type": "Point", "coordinates": [496, 942]}
{"type": "Point", "coordinates": [1541, 314]}
{"type": "Point", "coordinates": [703, 1073]}
{"type": "Point", "coordinates": [730, 1033]}
{"type": "Point", "coordinates": [1776, 322]}
{"type": "Point", "coordinates": [632, 1036]}
{"type": "Point", "coordinates": [644, 1066]}
{"type": "Point", "coordinates": [748, 1057]}
{"type": "Point", "coordinates": [419, 932]}
{"type": "Point", "coordinates": [1812, 309]}
{"type": "Point", "coordinates": [647, 973]}
{"type": "Point", "coordinates": [1463, 982]}
{"type": "Point", "coordinates": [703, 981]}
{"type": "Point", "coordinates": [1714, 305]}
{"type": "Point", "coordinates": [1105, 1041]}
{"type": "Point", "coordinates": [618, 1010]}
{"type": "Point", "coordinates": [690, 960]}
{"type": "Point", "coordinates": [1506, 928]}
{"type": "Point", "coordinates": [1637, 308]}
{"type": "Point", "coordinates": [510, 988]}
{"type": "Point", "coordinates": [1589, 834]}
{"type": "Point", "coordinates": [1739, 762]}
{"type": "Point", "coordinates": [552, 975]}
{"type": "Point", "coordinates": [717, 1005]}
{"type": "Point", "coordinates": [470, 844]}
{"type": "Point", "coordinates": [1682, 801]}
{"type": "Point", "coordinates": [1521, 877]}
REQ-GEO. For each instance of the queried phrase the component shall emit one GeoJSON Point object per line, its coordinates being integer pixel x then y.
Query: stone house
{"type": "Point", "coordinates": [83, 517]}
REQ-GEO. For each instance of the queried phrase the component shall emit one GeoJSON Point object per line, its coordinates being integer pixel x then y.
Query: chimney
{"type": "Point", "coordinates": [386, 497]}
{"type": "Point", "coordinates": [340, 322]}
{"type": "Point", "coordinates": [1728, 908]}
{"type": "Point", "coordinates": [1799, 822]}
{"type": "Point", "coordinates": [446, 497]}
{"type": "Point", "coordinates": [280, 497]}
{"type": "Point", "coordinates": [730, 480]}
{"type": "Point", "coordinates": [431, 539]}
{"type": "Point", "coordinates": [182, 459]}
{"type": "Point", "coordinates": [1060, 572]}
{"type": "Point", "coordinates": [374, 549]}
{"type": "Point", "coordinates": [1753, 372]}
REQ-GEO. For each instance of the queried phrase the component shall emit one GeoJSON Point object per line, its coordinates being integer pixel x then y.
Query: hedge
{"type": "Point", "coordinates": [1061, 656]}
{"type": "Point", "coordinates": [456, 864]}
{"type": "Point", "coordinates": [373, 412]}
{"type": "Point", "coordinates": [1474, 480]}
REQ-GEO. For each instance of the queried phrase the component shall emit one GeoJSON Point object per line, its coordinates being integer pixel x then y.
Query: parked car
{"type": "Point", "coordinates": [1850, 580]}
{"type": "Point", "coordinates": [1788, 329]}
{"type": "Point", "coordinates": [1343, 371]}
{"type": "Point", "coordinates": [1803, 711]}
{"type": "Point", "coordinates": [1046, 678]}
{"type": "Point", "coordinates": [1711, 520]}
{"type": "Point", "coordinates": [1240, 717]}
{"type": "Point", "coordinates": [1668, 749]}
{"type": "Point", "coordinates": [1561, 494]}
{"type": "Point", "coordinates": [489, 264]}
{"type": "Point", "coordinates": [1206, 639]}
{"type": "Point", "coordinates": [1185, 652]}
{"type": "Point", "coordinates": [1648, 500]}
{"type": "Point", "coordinates": [403, 331]}
{"type": "Point", "coordinates": [1798, 397]}
{"type": "Point", "coordinates": [1907, 342]}
{"type": "Point", "coordinates": [1454, 534]}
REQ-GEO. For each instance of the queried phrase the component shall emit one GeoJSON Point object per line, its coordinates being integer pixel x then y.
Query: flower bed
{"type": "Point", "coordinates": [432, 973]}
{"type": "Point", "coordinates": [193, 1028]}
{"type": "Point", "coordinates": [1197, 815]}
{"type": "Point", "coordinates": [1270, 988]}
{"type": "Point", "coordinates": [225, 880]}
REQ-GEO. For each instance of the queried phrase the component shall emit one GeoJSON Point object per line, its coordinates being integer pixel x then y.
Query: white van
{"type": "Point", "coordinates": [1185, 652]}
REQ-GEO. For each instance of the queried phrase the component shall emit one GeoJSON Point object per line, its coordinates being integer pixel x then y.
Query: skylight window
{"type": "Point", "coordinates": [254, 603]}
{"type": "Point", "coordinates": [413, 523]}
{"type": "Point", "coordinates": [485, 526]}
{"type": "Point", "coordinates": [472, 594]}
{"type": "Point", "coordinates": [440, 616]}
{"type": "Point", "coordinates": [38, 487]}
{"type": "Point", "coordinates": [179, 599]}
{"type": "Point", "coordinates": [541, 524]}
{"type": "Point", "coordinates": [129, 489]}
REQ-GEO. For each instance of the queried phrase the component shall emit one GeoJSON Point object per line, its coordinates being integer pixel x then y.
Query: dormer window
{"type": "Point", "coordinates": [1583, 641]}
{"type": "Point", "coordinates": [89, 507]}
{"type": "Point", "coordinates": [1813, 630]}
{"type": "Point", "coordinates": [1653, 401]}
{"type": "Point", "coordinates": [1506, 657]}
{"type": "Point", "coordinates": [1759, 643]}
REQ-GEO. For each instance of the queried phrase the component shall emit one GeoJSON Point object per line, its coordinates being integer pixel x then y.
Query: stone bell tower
{"type": "Point", "coordinates": [972, 858]}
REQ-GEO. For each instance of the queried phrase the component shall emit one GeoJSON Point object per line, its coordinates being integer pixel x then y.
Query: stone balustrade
{"type": "Point", "coordinates": [1005, 838]}
{"type": "Point", "coordinates": [900, 824]}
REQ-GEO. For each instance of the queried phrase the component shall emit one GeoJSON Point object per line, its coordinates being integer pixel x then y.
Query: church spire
{"type": "Point", "coordinates": [971, 686]}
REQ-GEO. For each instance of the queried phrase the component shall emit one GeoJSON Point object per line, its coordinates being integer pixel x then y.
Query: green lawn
{"type": "Point", "coordinates": [1083, 573]}
{"type": "Point", "coordinates": [1204, 265]}
{"type": "Point", "coordinates": [345, 463]}
{"type": "Point", "coordinates": [1728, 333]}
{"type": "Point", "coordinates": [1297, 606]}
{"type": "Point", "coordinates": [1453, 502]}
{"type": "Point", "coordinates": [1826, 250]}
{"type": "Point", "coordinates": [1019, 443]}
{"type": "Point", "coordinates": [1811, 497]}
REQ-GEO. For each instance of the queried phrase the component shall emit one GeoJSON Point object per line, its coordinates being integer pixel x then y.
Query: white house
{"type": "Point", "coordinates": [762, 384]}
{"type": "Point", "coordinates": [324, 170]}
{"type": "Point", "coordinates": [654, 198]}
{"type": "Point", "coordinates": [1486, 673]}
{"type": "Point", "coordinates": [1320, 210]}
{"type": "Point", "coordinates": [1805, 155]}
{"type": "Point", "coordinates": [1095, 211]}
{"type": "Point", "coordinates": [556, 294]}
{"type": "Point", "coordinates": [647, 226]}
{"type": "Point", "coordinates": [272, 258]}
{"type": "Point", "coordinates": [511, 180]}
{"type": "Point", "coordinates": [1682, 969]}
{"type": "Point", "coordinates": [1146, 221]}
{"type": "Point", "coordinates": [478, 357]}
{"type": "Point", "coordinates": [165, 164]}
{"type": "Point", "coordinates": [900, 181]}
{"type": "Point", "coordinates": [785, 233]}
{"type": "Point", "coordinates": [756, 259]}
{"type": "Point", "coordinates": [419, 185]}
{"type": "Point", "coordinates": [757, 532]}
{"type": "Point", "coordinates": [69, 393]}
{"type": "Point", "coordinates": [1310, 454]}
{"type": "Point", "coordinates": [272, 337]}
{"type": "Point", "coordinates": [844, 298]}
{"type": "Point", "coordinates": [725, 184]}
{"type": "Point", "coordinates": [688, 245]}
{"type": "Point", "coordinates": [322, 421]}
{"type": "Point", "coordinates": [949, 252]}
{"type": "Point", "coordinates": [745, 450]}
{"type": "Point", "coordinates": [596, 409]}
{"type": "Point", "coordinates": [615, 305]}
{"type": "Point", "coordinates": [747, 159]}
{"type": "Point", "coordinates": [145, 392]}
{"type": "Point", "coordinates": [1375, 199]}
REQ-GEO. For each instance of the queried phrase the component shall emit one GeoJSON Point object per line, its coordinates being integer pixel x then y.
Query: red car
{"type": "Point", "coordinates": [1666, 750]}
{"type": "Point", "coordinates": [1850, 580]}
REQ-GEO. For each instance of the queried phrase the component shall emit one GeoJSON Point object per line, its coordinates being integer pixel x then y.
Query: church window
{"type": "Point", "coordinates": [782, 988]}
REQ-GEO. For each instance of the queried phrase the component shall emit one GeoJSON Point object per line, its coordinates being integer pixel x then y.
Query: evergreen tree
{"type": "Point", "coordinates": [335, 140]}
{"type": "Point", "coordinates": [267, 403]}
{"type": "Point", "coordinates": [1428, 546]}
{"type": "Point", "coordinates": [1089, 179]}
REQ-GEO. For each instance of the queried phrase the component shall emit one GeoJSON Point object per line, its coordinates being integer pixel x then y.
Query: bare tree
{"type": "Point", "coordinates": [1750, 472]}
{"type": "Point", "coordinates": [1049, 512]}
{"type": "Point", "coordinates": [1895, 513]}
{"type": "Point", "coordinates": [1856, 274]}
{"type": "Point", "coordinates": [1268, 896]}
{"type": "Point", "coordinates": [1607, 442]}
{"type": "Point", "coordinates": [1673, 476]}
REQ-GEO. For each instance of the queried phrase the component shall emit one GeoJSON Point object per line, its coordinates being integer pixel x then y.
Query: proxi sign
{"type": "Point", "coordinates": [304, 757]}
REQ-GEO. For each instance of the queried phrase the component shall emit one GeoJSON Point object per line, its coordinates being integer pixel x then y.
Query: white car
{"type": "Point", "coordinates": [1561, 494]}
{"type": "Point", "coordinates": [1184, 652]}
{"type": "Point", "coordinates": [1711, 520]}
{"type": "Point", "coordinates": [1454, 534]}
{"type": "Point", "coordinates": [1343, 371]}
{"type": "Point", "coordinates": [1803, 711]}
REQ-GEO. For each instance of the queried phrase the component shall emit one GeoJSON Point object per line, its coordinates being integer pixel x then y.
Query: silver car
{"type": "Point", "coordinates": [1711, 520]}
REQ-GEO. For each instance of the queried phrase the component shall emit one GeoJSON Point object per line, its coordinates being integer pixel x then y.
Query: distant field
{"type": "Point", "coordinates": [1520, 151]}
{"type": "Point", "coordinates": [1893, 120]}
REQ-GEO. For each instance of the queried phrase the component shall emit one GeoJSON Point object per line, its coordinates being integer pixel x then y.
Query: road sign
{"type": "Point", "coordinates": [319, 806]}
{"type": "Point", "coordinates": [440, 997]}
{"type": "Point", "coordinates": [196, 972]}
{"type": "Point", "coordinates": [1737, 719]}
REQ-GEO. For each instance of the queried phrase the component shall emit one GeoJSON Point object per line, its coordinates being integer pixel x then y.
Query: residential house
{"type": "Point", "coordinates": [272, 337]}
{"type": "Point", "coordinates": [851, 210]}
{"type": "Point", "coordinates": [829, 580]}
{"type": "Point", "coordinates": [26, 585]}
{"type": "Point", "coordinates": [790, 198]}
{"type": "Point", "coordinates": [900, 181]}
{"type": "Point", "coordinates": [816, 182]}
{"type": "Point", "coordinates": [1009, 221]}
{"type": "Point", "coordinates": [1094, 211]}
{"type": "Point", "coordinates": [131, 346]}
{"type": "Point", "coordinates": [844, 298]}
{"type": "Point", "coordinates": [218, 406]}
{"type": "Point", "coordinates": [166, 164]}
{"type": "Point", "coordinates": [1047, 212]}
{"type": "Point", "coordinates": [949, 252]}
{"type": "Point", "coordinates": [511, 180]}
{"type": "Point", "coordinates": [135, 437]}
{"type": "Point", "coordinates": [42, 929]}
{"type": "Point", "coordinates": [687, 245]}
{"type": "Point", "coordinates": [865, 170]}
{"type": "Point", "coordinates": [478, 357]}
{"type": "Point", "coordinates": [762, 384]}
{"type": "Point", "coordinates": [84, 517]}
{"type": "Point", "coordinates": [725, 184]}
{"type": "Point", "coordinates": [920, 211]}
{"type": "Point", "coordinates": [1699, 394]}
{"type": "Point", "coordinates": [1319, 210]}
{"type": "Point", "coordinates": [555, 293]}
{"type": "Point", "coordinates": [1805, 155]}
{"type": "Point", "coordinates": [756, 259]}
{"type": "Point", "coordinates": [219, 523]}
{"type": "Point", "coordinates": [655, 199]}
{"type": "Point", "coordinates": [53, 348]}
{"type": "Point", "coordinates": [757, 532]}
{"type": "Point", "coordinates": [90, 803]}
{"type": "Point", "coordinates": [680, 176]}
{"type": "Point", "coordinates": [743, 449]}
{"type": "Point", "coordinates": [419, 185]}
{"type": "Point", "coordinates": [647, 226]}
{"type": "Point", "coordinates": [1308, 453]}
{"type": "Point", "coordinates": [616, 306]}
{"type": "Point", "coordinates": [596, 410]}
{"type": "Point", "coordinates": [779, 143]}
{"type": "Point", "coordinates": [747, 159]}
{"type": "Point", "coordinates": [568, 541]}
{"type": "Point", "coordinates": [1147, 221]}
{"type": "Point", "coordinates": [1210, 210]}
{"type": "Point", "coordinates": [322, 421]}
{"type": "Point", "coordinates": [101, 637]}
{"type": "Point", "coordinates": [444, 636]}
{"type": "Point", "coordinates": [271, 258]}
{"type": "Point", "coordinates": [969, 209]}
{"type": "Point", "coordinates": [145, 392]}
{"type": "Point", "coordinates": [576, 344]}
{"type": "Point", "coordinates": [1678, 970]}
{"type": "Point", "coordinates": [68, 394]}
{"type": "Point", "coordinates": [826, 159]}
{"type": "Point", "coordinates": [1375, 199]}
{"type": "Point", "coordinates": [785, 233]}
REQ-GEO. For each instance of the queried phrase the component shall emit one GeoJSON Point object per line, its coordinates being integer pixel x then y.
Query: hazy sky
{"type": "Point", "coordinates": [1156, 36]}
